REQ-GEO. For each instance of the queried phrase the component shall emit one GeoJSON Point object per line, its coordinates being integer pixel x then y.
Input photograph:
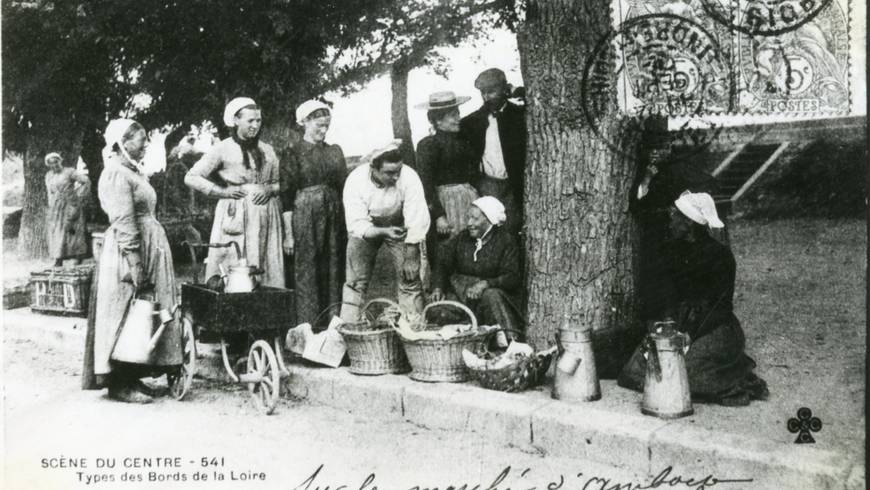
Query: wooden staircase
{"type": "Point", "coordinates": [742, 168]}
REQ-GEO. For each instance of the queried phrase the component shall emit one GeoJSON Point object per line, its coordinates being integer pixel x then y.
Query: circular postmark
{"type": "Point", "coordinates": [804, 70]}
{"type": "Point", "coordinates": [664, 66]}
{"type": "Point", "coordinates": [764, 17]}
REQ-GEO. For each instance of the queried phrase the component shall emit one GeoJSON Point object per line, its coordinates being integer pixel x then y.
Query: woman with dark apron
{"type": "Point", "coordinates": [312, 177]}
{"type": "Point", "coordinates": [65, 218]}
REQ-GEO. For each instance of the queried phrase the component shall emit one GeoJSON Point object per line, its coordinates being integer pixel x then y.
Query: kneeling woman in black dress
{"type": "Point", "coordinates": [697, 292]}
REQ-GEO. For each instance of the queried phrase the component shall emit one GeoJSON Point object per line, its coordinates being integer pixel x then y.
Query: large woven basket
{"type": "Point", "coordinates": [373, 346]}
{"type": "Point", "coordinates": [524, 374]}
{"type": "Point", "coordinates": [441, 360]}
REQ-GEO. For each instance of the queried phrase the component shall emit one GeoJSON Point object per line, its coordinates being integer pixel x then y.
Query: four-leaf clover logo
{"type": "Point", "coordinates": [803, 425]}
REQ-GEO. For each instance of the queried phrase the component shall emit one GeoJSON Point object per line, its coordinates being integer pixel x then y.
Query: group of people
{"type": "Point", "coordinates": [462, 207]}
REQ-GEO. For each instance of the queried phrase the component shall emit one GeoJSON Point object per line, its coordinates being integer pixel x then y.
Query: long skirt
{"type": "Point", "coordinates": [111, 297]}
{"type": "Point", "coordinates": [65, 227]}
{"type": "Point", "coordinates": [257, 231]}
{"type": "Point", "coordinates": [320, 243]}
{"type": "Point", "coordinates": [718, 369]}
{"type": "Point", "coordinates": [494, 307]}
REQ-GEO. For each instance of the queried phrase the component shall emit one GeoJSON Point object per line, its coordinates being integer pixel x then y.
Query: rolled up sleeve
{"type": "Point", "coordinates": [414, 210]}
{"type": "Point", "coordinates": [356, 213]}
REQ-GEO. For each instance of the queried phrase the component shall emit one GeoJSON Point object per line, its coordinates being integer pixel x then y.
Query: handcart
{"type": "Point", "coordinates": [263, 314]}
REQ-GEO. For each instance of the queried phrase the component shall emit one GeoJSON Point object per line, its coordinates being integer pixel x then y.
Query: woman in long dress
{"type": "Point", "coordinates": [65, 217]}
{"type": "Point", "coordinates": [447, 168]}
{"type": "Point", "coordinates": [135, 253]}
{"type": "Point", "coordinates": [312, 179]}
{"type": "Point", "coordinates": [696, 291]}
{"type": "Point", "coordinates": [242, 172]}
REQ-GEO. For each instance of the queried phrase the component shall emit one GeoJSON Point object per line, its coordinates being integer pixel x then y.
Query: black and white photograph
{"type": "Point", "coordinates": [434, 244]}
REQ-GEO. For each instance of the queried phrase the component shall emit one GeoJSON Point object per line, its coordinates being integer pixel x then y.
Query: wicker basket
{"type": "Point", "coordinates": [526, 373]}
{"type": "Point", "coordinates": [373, 346]}
{"type": "Point", "coordinates": [62, 291]}
{"type": "Point", "coordinates": [441, 360]}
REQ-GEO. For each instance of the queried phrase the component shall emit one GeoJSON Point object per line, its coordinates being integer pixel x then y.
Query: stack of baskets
{"type": "Point", "coordinates": [373, 345]}
{"type": "Point", "coordinates": [525, 373]}
{"type": "Point", "coordinates": [438, 359]}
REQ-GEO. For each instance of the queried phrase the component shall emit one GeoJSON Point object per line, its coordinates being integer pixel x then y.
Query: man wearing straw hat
{"type": "Point", "coordinates": [384, 205]}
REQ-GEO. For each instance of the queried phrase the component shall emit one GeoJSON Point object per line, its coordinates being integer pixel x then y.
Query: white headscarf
{"type": "Point", "coordinates": [235, 106]}
{"type": "Point", "coordinates": [493, 209]}
{"type": "Point", "coordinates": [115, 134]}
{"type": "Point", "coordinates": [306, 108]}
{"type": "Point", "coordinates": [700, 208]}
{"type": "Point", "coordinates": [51, 155]}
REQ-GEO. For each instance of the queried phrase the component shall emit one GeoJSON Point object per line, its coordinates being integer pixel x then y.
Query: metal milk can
{"type": "Point", "coordinates": [576, 378]}
{"type": "Point", "coordinates": [666, 388]}
{"type": "Point", "coordinates": [137, 336]}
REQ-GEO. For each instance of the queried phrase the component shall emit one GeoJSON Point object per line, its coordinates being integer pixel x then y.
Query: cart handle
{"type": "Point", "coordinates": [191, 246]}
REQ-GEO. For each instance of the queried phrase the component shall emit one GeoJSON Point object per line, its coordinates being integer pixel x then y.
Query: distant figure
{"type": "Point", "coordinates": [312, 178]}
{"type": "Point", "coordinates": [242, 172]}
{"type": "Point", "coordinates": [68, 192]}
{"type": "Point", "coordinates": [384, 205]}
{"type": "Point", "coordinates": [497, 134]}
{"type": "Point", "coordinates": [697, 290]}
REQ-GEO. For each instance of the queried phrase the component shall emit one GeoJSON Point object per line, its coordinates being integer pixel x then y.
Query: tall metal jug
{"type": "Point", "coordinates": [666, 388]}
{"type": "Point", "coordinates": [576, 378]}
{"type": "Point", "coordinates": [137, 336]}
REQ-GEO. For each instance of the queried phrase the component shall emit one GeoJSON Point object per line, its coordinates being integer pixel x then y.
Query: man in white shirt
{"type": "Point", "coordinates": [384, 205]}
{"type": "Point", "coordinates": [497, 134]}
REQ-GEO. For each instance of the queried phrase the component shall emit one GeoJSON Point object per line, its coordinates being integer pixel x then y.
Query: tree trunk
{"type": "Point", "coordinates": [43, 137]}
{"type": "Point", "coordinates": [399, 111]}
{"type": "Point", "coordinates": [580, 237]}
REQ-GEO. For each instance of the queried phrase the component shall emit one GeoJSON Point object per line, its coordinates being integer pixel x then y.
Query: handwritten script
{"type": "Point", "coordinates": [507, 477]}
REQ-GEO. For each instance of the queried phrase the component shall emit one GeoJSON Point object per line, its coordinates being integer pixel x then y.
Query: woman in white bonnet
{"type": "Point", "coordinates": [312, 178]}
{"type": "Point", "coordinates": [696, 291]}
{"type": "Point", "coordinates": [135, 258]}
{"type": "Point", "coordinates": [481, 267]}
{"type": "Point", "coordinates": [242, 172]}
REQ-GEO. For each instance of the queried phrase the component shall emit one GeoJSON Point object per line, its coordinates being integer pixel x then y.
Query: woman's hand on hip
{"type": "Point", "coordinates": [234, 192]}
{"type": "Point", "coordinates": [260, 198]}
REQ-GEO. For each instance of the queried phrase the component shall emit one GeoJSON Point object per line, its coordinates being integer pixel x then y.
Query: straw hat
{"type": "Point", "coordinates": [442, 100]}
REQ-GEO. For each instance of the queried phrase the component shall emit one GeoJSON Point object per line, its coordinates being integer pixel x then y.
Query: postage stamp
{"type": "Point", "coordinates": [804, 70]}
{"type": "Point", "coordinates": [786, 56]}
{"type": "Point", "coordinates": [666, 65]}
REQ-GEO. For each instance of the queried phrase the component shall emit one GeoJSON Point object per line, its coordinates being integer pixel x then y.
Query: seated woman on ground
{"type": "Point", "coordinates": [696, 291]}
{"type": "Point", "coordinates": [480, 267]}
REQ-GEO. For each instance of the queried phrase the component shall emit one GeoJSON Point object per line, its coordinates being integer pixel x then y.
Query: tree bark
{"type": "Point", "coordinates": [43, 137]}
{"type": "Point", "coordinates": [399, 111]}
{"type": "Point", "coordinates": [580, 237]}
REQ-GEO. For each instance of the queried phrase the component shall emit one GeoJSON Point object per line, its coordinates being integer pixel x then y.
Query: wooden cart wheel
{"type": "Point", "coordinates": [181, 380]}
{"type": "Point", "coordinates": [262, 362]}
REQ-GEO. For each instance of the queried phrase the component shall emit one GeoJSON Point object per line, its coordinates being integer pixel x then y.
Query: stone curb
{"type": "Point", "coordinates": [532, 420]}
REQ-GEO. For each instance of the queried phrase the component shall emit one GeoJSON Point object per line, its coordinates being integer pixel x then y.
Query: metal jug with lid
{"type": "Point", "coordinates": [576, 377]}
{"type": "Point", "coordinates": [137, 336]}
{"type": "Point", "coordinates": [666, 391]}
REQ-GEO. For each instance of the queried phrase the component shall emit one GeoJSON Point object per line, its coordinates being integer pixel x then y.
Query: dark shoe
{"type": "Point", "coordinates": [144, 388]}
{"type": "Point", "coordinates": [127, 394]}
